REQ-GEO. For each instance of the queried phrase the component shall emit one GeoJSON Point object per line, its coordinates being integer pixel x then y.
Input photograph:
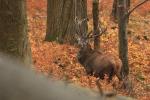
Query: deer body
{"type": "Point", "coordinates": [98, 64]}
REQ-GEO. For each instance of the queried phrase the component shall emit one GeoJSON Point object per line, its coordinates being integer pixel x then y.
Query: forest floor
{"type": "Point", "coordinates": [60, 60]}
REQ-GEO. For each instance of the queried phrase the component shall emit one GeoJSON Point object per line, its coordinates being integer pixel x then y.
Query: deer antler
{"type": "Point", "coordinates": [101, 33]}
{"type": "Point", "coordinates": [88, 35]}
{"type": "Point", "coordinates": [78, 24]}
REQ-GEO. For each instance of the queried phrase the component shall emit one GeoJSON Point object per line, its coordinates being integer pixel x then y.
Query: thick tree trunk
{"type": "Point", "coordinates": [123, 40]}
{"type": "Point", "coordinates": [96, 23]}
{"type": "Point", "coordinates": [61, 19]}
{"type": "Point", "coordinates": [13, 30]}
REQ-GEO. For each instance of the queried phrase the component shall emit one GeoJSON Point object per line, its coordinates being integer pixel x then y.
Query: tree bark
{"type": "Point", "coordinates": [123, 39]}
{"type": "Point", "coordinates": [128, 2]}
{"type": "Point", "coordinates": [114, 13]}
{"type": "Point", "coordinates": [61, 19]}
{"type": "Point", "coordinates": [13, 30]}
{"type": "Point", "coordinates": [127, 9]}
{"type": "Point", "coordinates": [96, 23]}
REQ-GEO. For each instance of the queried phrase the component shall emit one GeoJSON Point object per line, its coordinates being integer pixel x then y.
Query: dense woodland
{"type": "Point", "coordinates": [98, 44]}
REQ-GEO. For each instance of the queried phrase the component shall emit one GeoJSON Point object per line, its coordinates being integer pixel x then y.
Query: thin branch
{"type": "Point", "coordinates": [130, 11]}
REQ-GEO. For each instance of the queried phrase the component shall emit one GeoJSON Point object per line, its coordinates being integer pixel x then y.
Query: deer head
{"type": "Point", "coordinates": [84, 38]}
{"type": "Point", "coordinates": [85, 50]}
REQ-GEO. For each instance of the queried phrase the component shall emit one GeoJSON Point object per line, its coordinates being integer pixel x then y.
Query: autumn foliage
{"type": "Point", "coordinates": [60, 60]}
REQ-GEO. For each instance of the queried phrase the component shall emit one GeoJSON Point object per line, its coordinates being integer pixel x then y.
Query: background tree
{"type": "Point", "coordinates": [114, 13]}
{"type": "Point", "coordinates": [96, 24]}
{"type": "Point", "coordinates": [61, 19]}
{"type": "Point", "coordinates": [123, 15]}
{"type": "Point", "coordinates": [114, 10]}
{"type": "Point", "coordinates": [123, 41]}
{"type": "Point", "coordinates": [13, 30]}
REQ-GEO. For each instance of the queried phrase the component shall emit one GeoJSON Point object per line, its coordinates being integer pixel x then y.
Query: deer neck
{"type": "Point", "coordinates": [83, 55]}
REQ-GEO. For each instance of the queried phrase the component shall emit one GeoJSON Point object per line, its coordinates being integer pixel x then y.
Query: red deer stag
{"type": "Point", "coordinates": [96, 62]}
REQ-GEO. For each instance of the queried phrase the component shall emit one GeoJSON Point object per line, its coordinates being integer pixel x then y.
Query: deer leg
{"type": "Point", "coordinates": [101, 76]}
{"type": "Point", "coordinates": [111, 74]}
{"type": "Point", "coordinates": [110, 78]}
{"type": "Point", "coordinates": [89, 71]}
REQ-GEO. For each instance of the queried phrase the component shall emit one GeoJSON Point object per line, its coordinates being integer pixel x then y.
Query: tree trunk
{"type": "Point", "coordinates": [114, 13]}
{"type": "Point", "coordinates": [96, 23]}
{"type": "Point", "coordinates": [128, 4]}
{"type": "Point", "coordinates": [61, 19]}
{"type": "Point", "coordinates": [123, 40]}
{"type": "Point", "coordinates": [13, 30]}
{"type": "Point", "coordinates": [127, 8]}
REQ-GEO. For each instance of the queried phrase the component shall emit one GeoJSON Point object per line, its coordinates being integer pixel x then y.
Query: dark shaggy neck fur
{"type": "Point", "coordinates": [84, 53]}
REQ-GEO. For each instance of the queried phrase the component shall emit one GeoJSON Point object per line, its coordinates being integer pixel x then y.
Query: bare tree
{"type": "Point", "coordinates": [123, 41]}
{"type": "Point", "coordinates": [123, 16]}
{"type": "Point", "coordinates": [96, 24]}
{"type": "Point", "coordinates": [13, 30]}
{"type": "Point", "coordinates": [114, 13]}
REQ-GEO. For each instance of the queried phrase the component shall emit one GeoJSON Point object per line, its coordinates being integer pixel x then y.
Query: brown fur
{"type": "Point", "coordinates": [98, 64]}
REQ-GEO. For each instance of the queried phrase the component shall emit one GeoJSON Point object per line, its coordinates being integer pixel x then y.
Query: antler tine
{"type": "Point", "coordinates": [88, 35]}
{"type": "Point", "coordinates": [82, 20]}
{"type": "Point", "coordinates": [101, 33]}
{"type": "Point", "coordinates": [77, 28]}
